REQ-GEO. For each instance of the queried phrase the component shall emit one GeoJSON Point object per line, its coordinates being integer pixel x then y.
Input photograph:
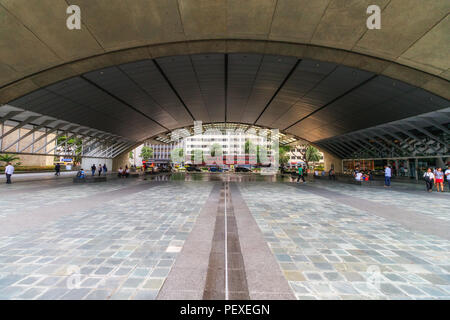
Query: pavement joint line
{"type": "Point", "coordinates": [226, 243]}
{"type": "Point", "coordinates": [412, 220]}
{"type": "Point", "coordinates": [35, 218]}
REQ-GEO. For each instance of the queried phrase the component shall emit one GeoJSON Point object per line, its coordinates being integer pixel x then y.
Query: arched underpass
{"type": "Point", "coordinates": [137, 71]}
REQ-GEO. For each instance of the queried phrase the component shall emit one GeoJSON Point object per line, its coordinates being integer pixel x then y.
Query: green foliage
{"type": "Point", "coordinates": [8, 158]}
{"type": "Point", "coordinates": [312, 154]}
{"type": "Point", "coordinates": [282, 154]}
{"type": "Point", "coordinates": [215, 149]}
{"type": "Point", "coordinates": [146, 153]}
{"type": "Point", "coordinates": [197, 153]}
{"type": "Point", "coordinates": [130, 155]}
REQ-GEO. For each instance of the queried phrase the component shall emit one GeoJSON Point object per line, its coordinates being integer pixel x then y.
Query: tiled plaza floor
{"type": "Point", "coordinates": [329, 250]}
{"type": "Point", "coordinates": [123, 249]}
{"type": "Point", "coordinates": [124, 246]}
{"type": "Point", "coordinates": [423, 202]}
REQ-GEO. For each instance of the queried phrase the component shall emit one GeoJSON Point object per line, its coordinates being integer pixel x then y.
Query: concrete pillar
{"type": "Point", "coordinates": [332, 161]}
{"type": "Point", "coordinates": [440, 162]}
{"type": "Point", "coordinates": [121, 160]}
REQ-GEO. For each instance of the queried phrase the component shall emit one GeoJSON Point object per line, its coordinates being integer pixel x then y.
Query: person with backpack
{"type": "Point", "coordinates": [81, 174]}
{"type": "Point", "coordinates": [429, 179]}
{"type": "Point", "coordinates": [93, 169]}
{"type": "Point", "coordinates": [105, 169]}
{"type": "Point", "coordinates": [100, 168]}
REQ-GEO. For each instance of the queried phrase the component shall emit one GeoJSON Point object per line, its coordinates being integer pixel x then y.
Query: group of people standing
{"type": "Point", "coordinates": [436, 177]}
{"type": "Point", "coordinates": [100, 169]}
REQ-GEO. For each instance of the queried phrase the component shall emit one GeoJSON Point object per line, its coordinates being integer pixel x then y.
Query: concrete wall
{"type": "Point", "coordinates": [331, 160]}
{"type": "Point", "coordinates": [121, 160]}
{"type": "Point", "coordinates": [86, 163]}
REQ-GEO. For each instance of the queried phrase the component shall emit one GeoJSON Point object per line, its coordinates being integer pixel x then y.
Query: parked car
{"type": "Point", "coordinates": [193, 169]}
{"type": "Point", "coordinates": [242, 169]}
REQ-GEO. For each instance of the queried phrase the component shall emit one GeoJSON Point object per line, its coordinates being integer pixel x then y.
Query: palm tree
{"type": "Point", "coordinates": [312, 154]}
{"type": "Point", "coordinates": [8, 158]}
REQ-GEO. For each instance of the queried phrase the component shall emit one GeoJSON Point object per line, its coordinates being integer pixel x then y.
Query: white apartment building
{"type": "Point", "coordinates": [231, 144]}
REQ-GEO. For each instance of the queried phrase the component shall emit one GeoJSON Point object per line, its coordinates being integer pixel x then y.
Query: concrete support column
{"type": "Point", "coordinates": [332, 161]}
{"type": "Point", "coordinates": [121, 160]}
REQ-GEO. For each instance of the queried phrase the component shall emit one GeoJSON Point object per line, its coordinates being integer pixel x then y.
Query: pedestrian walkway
{"type": "Point", "coordinates": [220, 236]}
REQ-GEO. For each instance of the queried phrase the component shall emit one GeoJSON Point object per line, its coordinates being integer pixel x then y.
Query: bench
{"type": "Point", "coordinates": [89, 179]}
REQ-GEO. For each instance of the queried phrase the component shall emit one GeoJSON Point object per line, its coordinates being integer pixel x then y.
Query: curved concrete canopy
{"type": "Point", "coordinates": [309, 99]}
{"type": "Point", "coordinates": [311, 68]}
{"type": "Point", "coordinates": [37, 49]}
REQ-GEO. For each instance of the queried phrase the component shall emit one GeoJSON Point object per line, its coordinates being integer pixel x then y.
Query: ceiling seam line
{"type": "Point", "coordinates": [90, 32]}
{"type": "Point", "coordinates": [291, 72]}
{"type": "Point", "coordinates": [332, 101]}
{"type": "Point", "coordinates": [118, 99]}
{"type": "Point", "coordinates": [226, 84]}
{"type": "Point", "coordinates": [119, 67]}
{"type": "Point", "coordinates": [325, 77]}
{"type": "Point", "coordinates": [172, 87]}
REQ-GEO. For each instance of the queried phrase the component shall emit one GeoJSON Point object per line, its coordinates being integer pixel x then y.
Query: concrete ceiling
{"type": "Point", "coordinates": [312, 68]}
{"type": "Point", "coordinates": [310, 99]}
{"type": "Point", "coordinates": [37, 49]}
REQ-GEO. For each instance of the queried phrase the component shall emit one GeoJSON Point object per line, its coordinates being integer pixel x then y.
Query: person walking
{"type": "Point", "coordinates": [439, 179]}
{"type": "Point", "coordinates": [387, 176]}
{"type": "Point", "coordinates": [331, 175]}
{"type": "Point", "coordinates": [9, 170]}
{"type": "Point", "coordinates": [57, 169]}
{"type": "Point", "coordinates": [100, 169]}
{"type": "Point", "coordinates": [300, 174]}
{"type": "Point", "coordinates": [429, 179]}
{"type": "Point", "coordinates": [447, 174]}
{"type": "Point", "coordinates": [105, 169]}
{"type": "Point", "coordinates": [93, 169]}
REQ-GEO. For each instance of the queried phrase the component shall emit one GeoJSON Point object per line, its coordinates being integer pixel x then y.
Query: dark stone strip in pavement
{"type": "Point", "coordinates": [265, 280]}
{"type": "Point", "coordinates": [187, 278]}
{"type": "Point", "coordinates": [215, 279]}
{"type": "Point", "coordinates": [18, 222]}
{"type": "Point", "coordinates": [411, 220]}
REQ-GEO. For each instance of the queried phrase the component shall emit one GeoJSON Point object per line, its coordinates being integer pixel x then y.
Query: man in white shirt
{"type": "Point", "coordinates": [9, 170]}
{"type": "Point", "coordinates": [447, 174]}
{"type": "Point", "coordinates": [387, 176]}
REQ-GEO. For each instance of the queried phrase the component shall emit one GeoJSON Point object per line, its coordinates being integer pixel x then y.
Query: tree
{"type": "Point", "coordinates": [8, 158]}
{"type": "Point", "coordinates": [130, 155]}
{"type": "Point", "coordinates": [311, 154]}
{"type": "Point", "coordinates": [215, 149]}
{"type": "Point", "coordinates": [197, 153]}
{"type": "Point", "coordinates": [282, 155]}
{"type": "Point", "coordinates": [70, 146]}
{"type": "Point", "coordinates": [146, 153]}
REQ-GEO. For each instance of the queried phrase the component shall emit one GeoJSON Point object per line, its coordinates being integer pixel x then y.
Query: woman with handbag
{"type": "Point", "coordinates": [429, 179]}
